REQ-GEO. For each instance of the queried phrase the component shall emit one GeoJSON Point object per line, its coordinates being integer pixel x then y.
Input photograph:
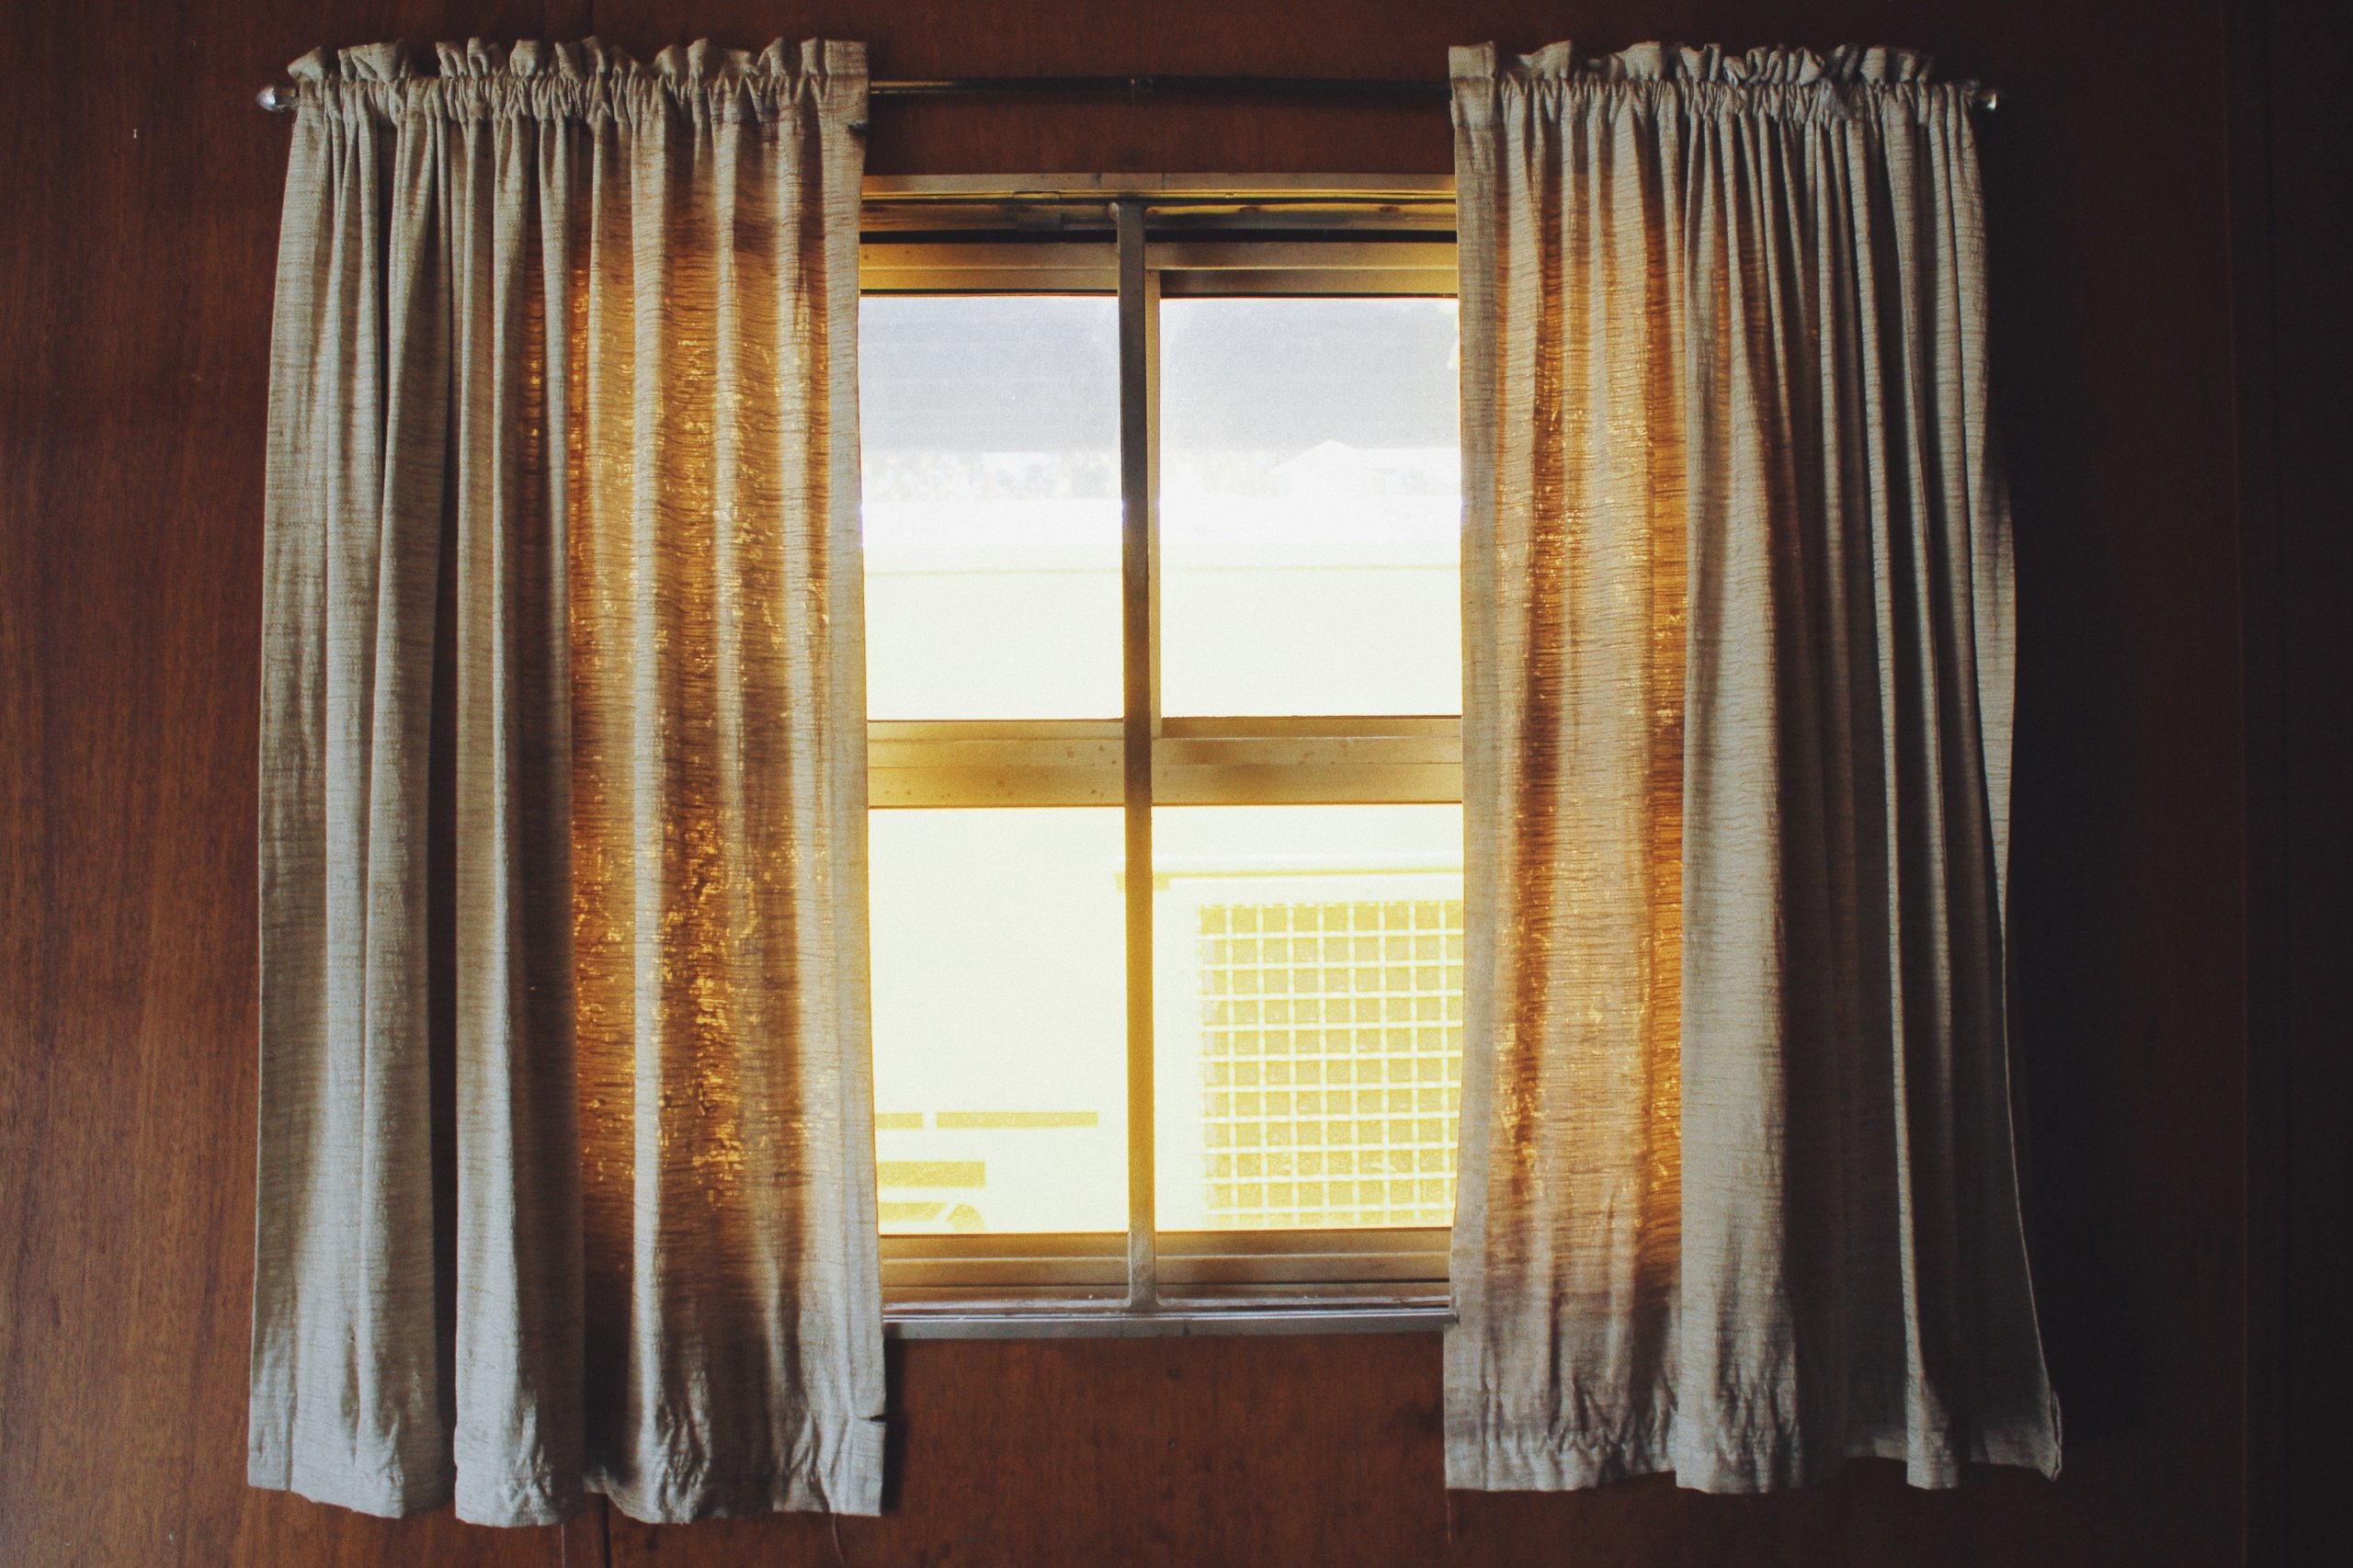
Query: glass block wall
{"type": "Point", "coordinates": [1331, 1062]}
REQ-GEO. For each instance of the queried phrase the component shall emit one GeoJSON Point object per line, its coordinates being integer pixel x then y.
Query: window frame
{"type": "Point", "coordinates": [1143, 239]}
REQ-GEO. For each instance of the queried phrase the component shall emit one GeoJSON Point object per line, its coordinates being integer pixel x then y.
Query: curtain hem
{"type": "Point", "coordinates": [844, 1475]}
{"type": "Point", "coordinates": [385, 1496]}
{"type": "Point", "coordinates": [486, 1496]}
{"type": "Point", "coordinates": [1503, 1464]}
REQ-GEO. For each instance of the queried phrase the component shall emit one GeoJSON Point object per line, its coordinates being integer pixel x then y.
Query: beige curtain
{"type": "Point", "coordinates": [566, 1156]}
{"type": "Point", "coordinates": [1738, 1197]}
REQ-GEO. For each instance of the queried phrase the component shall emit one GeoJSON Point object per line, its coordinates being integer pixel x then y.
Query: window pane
{"type": "Point", "coordinates": [1000, 1023]}
{"type": "Point", "coordinates": [990, 430]}
{"type": "Point", "coordinates": [1310, 506]}
{"type": "Point", "coordinates": [1308, 1000]}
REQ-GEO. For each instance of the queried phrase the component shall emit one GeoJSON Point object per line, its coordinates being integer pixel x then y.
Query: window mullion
{"type": "Point", "coordinates": [1140, 593]}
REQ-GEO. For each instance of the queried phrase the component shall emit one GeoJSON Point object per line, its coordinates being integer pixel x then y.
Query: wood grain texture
{"type": "Point", "coordinates": [140, 190]}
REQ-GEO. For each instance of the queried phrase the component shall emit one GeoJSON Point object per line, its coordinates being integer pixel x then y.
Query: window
{"type": "Point", "coordinates": [1162, 527]}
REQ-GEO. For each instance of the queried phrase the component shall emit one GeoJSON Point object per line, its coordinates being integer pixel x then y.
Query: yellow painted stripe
{"type": "Point", "coordinates": [899, 1121]}
{"type": "Point", "coordinates": [933, 1173]}
{"type": "Point", "coordinates": [1018, 1118]}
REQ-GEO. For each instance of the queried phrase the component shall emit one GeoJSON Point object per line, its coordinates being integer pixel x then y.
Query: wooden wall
{"type": "Point", "coordinates": [2291, 170]}
{"type": "Point", "coordinates": [139, 192]}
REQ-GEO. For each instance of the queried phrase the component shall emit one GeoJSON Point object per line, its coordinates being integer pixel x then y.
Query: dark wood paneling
{"type": "Point", "coordinates": [141, 193]}
{"type": "Point", "coordinates": [2312, 170]}
{"type": "Point", "coordinates": [2291, 165]}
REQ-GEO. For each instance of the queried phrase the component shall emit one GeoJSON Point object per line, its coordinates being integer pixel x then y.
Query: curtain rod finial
{"type": "Point", "coordinates": [275, 99]}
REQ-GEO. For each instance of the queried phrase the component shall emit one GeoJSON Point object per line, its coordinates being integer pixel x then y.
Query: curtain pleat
{"type": "Point", "coordinates": [592, 326]}
{"type": "Point", "coordinates": [1738, 1196]}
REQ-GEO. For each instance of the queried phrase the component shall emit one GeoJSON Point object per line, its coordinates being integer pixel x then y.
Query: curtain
{"type": "Point", "coordinates": [1738, 1196]}
{"type": "Point", "coordinates": [566, 1158]}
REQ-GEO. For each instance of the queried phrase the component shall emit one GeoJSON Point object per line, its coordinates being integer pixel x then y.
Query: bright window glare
{"type": "Point", "coordinates": [1310, 506]}
{"type": "Point", "coordinates": [990, 431]}
{"type": "Point", "coordinates": [1307, 960]}
{"type": "Point", "coordinates": [1000, 1019]}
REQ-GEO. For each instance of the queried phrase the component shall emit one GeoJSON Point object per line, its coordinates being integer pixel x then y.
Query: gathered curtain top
{"type": "Point", "coordinates": [1851, 80]}
{"type": "Point", "coordinates": [480, 78]}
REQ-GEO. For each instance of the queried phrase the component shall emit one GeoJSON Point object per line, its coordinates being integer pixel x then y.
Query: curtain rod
{"type": "Point", "coordinates": [1361, 89]}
